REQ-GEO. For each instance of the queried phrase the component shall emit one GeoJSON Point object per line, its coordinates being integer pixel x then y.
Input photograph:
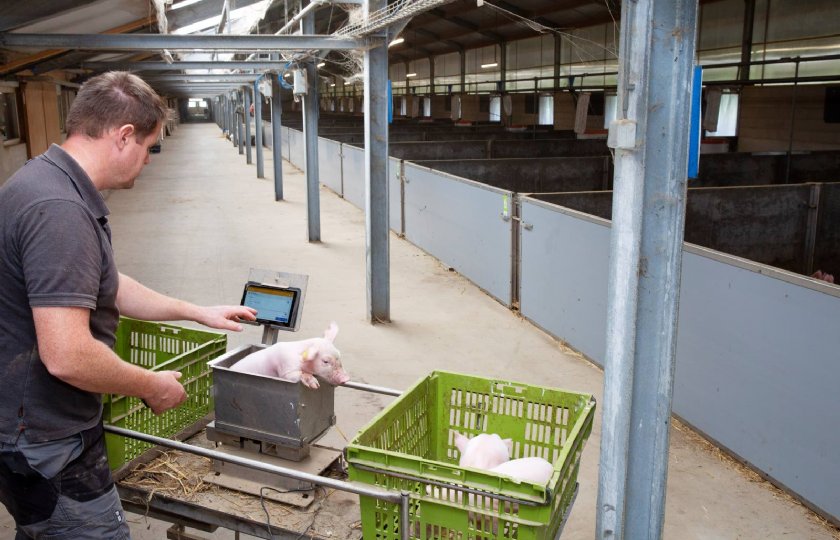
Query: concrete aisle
{"type": "Point", "coordinates": [198, 219]}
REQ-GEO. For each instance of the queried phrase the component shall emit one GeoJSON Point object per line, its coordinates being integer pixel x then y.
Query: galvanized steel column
{"type": "Point", "coordinates": [234, 123]}
{"type": "Point", "coordinates": [310, 136]}
{"type": "Point", "coordinates": [276, 136]}
{"type": "Point", "coordinates": [240, 120]}
{"type": "Point", "coordinates": [651, 159]}
{"type": "Point", "coordinates": [246, 117]}
{"type": "Point", "coordinates": [258, 128]}
{"type": "Point", "coordinates": [376, 176]}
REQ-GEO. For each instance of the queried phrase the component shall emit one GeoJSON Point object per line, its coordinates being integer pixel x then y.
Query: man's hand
{"type": "Point", "coordinates": [225, 317]}
{"type": "Point", "coordinates": [165, 392]}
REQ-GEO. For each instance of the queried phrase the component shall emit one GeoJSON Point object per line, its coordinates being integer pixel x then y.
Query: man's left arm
{"type": "Point", "coordinates": [140, 302]}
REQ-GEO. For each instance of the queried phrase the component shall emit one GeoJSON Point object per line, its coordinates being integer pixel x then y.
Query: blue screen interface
{"type": "Point", "coordinates": [271, 304]}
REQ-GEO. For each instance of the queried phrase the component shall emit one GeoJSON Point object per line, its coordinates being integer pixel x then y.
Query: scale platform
{"type": "Point", "coordinates": [299, 493]}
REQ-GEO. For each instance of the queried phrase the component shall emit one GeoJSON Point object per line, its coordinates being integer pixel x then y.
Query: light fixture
{"type": "Point", "coordinates": [322, 64]}
{"type": "Point", "coordinates": [410, 74]}
{"type": "Point", "coordinates": [396, 42]}
{"type": "Point", "coordinates": [491, 65]}
{"type": "Point", "coordinates": [332, 84]}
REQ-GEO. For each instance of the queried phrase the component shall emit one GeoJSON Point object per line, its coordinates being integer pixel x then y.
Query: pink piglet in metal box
{"type": "Point", "coordinates": [299, 361]}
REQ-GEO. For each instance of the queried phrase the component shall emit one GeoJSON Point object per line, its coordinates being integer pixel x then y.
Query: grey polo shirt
{"type": "Point", "coordinates": [55, 251]}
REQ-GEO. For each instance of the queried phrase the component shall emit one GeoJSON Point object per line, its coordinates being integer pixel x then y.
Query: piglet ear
{"type": "Point", "coordinates": [309, 354]}
{"type": "Point", "coordinates": [331, 332]}
{"type": "Point", "coordinates": [461, 442]}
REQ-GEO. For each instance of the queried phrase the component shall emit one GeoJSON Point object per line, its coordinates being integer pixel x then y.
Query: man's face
{"type": "Point", "coordinates": [135, 157]}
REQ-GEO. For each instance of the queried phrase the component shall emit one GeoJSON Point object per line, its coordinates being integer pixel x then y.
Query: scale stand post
{"type": "Point", "coordinates": [270, 333]}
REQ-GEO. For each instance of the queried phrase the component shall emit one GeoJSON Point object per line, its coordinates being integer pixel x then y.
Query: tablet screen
{"type": "Point", "coordinates": [274, 305]}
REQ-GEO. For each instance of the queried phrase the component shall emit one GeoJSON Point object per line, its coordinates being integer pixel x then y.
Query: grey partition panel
{"type": "Point", "coordinates": [287, 143]}
{"type": "Point", "coordinates": [267, 134]}
{"type": "Point", "coordinates": [758, 370]}
{"type": "Point", "coordinates": [329, 164]}
{"type": "Point", "coordinates": [757, 363]}
{"type": "Point", "coordinates": [295, 155]}
{"type": "Point", "coordinates": [460, 223]}
{"type": "Point", "coordinates": [353, 167]}
{"type": "Point", "coordinates": [563, 269]}
{"type": "Point", "coordinates": [395, 195]}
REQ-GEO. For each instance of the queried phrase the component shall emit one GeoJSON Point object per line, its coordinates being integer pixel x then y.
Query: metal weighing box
{"type": "Point", "coordinates": [275, 412]}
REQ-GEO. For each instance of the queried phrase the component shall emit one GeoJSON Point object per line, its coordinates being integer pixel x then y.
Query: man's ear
{"type": "Point", "coordinates": [125, 134]}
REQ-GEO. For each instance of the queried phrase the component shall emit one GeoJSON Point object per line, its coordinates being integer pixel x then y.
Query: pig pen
{"type": "Point", "coordinates": [550, 263]}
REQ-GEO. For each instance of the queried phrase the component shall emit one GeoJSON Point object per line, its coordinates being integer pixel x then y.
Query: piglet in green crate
{"type": "Point", "coordinates": [490, 452]}
{"type": "Point", "coordinates": [410, 447]}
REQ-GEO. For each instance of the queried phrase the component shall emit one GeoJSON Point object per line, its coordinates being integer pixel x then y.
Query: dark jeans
{"type": "Point", "coordinates": [79, 502]}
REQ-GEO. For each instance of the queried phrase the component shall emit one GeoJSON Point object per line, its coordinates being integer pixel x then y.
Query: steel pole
{"type": "Point", "coordinates": [246, 117]}
{"type": "Point", "coordinates": [258, 128]}
{"type": "Point", "coordinates": [240, 122]}
{"type": "Point", "coordinates": [276, 136]}
{"type": "Point", "coordinates": [310, 136]}
{"type": "Point", "coordinates": [155, 42]}
{"type": "Point", "coordinates": [650, 139]}
{"type": "Point", "coordinates": [358, 489]}
{"type": "Point", "coordinates": [376, 177]}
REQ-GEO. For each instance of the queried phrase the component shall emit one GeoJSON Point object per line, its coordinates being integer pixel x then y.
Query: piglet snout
{"type": "Point", "coordinates": [340, 377]}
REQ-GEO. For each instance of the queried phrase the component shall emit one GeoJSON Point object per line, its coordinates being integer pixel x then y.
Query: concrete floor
{"type": "Point", "coordinates": [198, 219]}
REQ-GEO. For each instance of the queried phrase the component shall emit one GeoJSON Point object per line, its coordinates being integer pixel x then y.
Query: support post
{"type": "Point", "coordinates": [463, 71]}
{"type": "Point", "coordinates": [310, 136]}
{"type": "Point", "coordinates": [431, 76]}
{"type": "Point", "coordinates": [240, 119]}
{"type": "Point", "coordinates": [258, 128]}
{"type": "Point", "coordinates": [376, 176]}
{"type": "Point", "coordinates": [276, 136]}
{"type": "Point", "coordinates": [503, 63]}
{"type": "Point", "coordinates": [746, 40]}
{"type": "Point", "coordinates": [246, 117]}
{"type": "Point", "coordinates": [223, 114]}
{"type": "Point", "coordinates": [651, 160]}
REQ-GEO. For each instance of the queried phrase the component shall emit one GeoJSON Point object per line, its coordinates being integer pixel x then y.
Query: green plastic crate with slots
{"type": "Point", "coordinates": [160, 347]}
{"type": "Point", "coordinates": [410, 447]}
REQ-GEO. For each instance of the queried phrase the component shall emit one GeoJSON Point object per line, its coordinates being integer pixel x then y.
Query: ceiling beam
{"type": "Point", "coordinates": [248, 42]}
{"type": "Point", "coordinates": [463, 23]}
{"type": "Point", "coordinates": [27, 61]}
{"type": "Point", "coordinates": [209, 77]}
{"type": "Point", "coordinates": [17, 14]}
{"type": "Point", "coordinates": [522, 13]}
{"type": "Point", "coordinates": [199, 11]}
{"type": "Point", "coordinates": [175, 66]}
{"type": "Point", "coordinates": [436, 37]}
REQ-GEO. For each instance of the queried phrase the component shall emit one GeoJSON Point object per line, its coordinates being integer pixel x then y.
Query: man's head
{"type": "Point", "coordinates": [112, 100]}
{"type": "Point", "coordinates": [116, 116]}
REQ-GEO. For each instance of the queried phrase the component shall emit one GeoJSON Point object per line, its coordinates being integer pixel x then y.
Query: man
{"type": "Point", "coordinates": [60, 300]}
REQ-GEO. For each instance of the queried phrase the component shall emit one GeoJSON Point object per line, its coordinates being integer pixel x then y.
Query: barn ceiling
{"type": "Point", "coordinates": [446, 26]}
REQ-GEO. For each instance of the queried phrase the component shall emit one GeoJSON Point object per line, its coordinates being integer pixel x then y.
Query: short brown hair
{"type": "Point", "coordinates": [114, 99]}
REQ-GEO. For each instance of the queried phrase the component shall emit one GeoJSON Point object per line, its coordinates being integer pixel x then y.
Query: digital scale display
{"type": "Point", "coordinates": [274, 305]}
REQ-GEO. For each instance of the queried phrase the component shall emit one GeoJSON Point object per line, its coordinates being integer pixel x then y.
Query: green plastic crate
{"type": "Point", "coordinates": [410, 447]}
{"type": "Point", "coordinates": [159, 347]}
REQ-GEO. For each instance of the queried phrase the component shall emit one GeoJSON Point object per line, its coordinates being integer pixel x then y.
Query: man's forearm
{"type": "Point", "coordinates": [140, 302]}
{"type": "Point", "coordinates": [72, 354]}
